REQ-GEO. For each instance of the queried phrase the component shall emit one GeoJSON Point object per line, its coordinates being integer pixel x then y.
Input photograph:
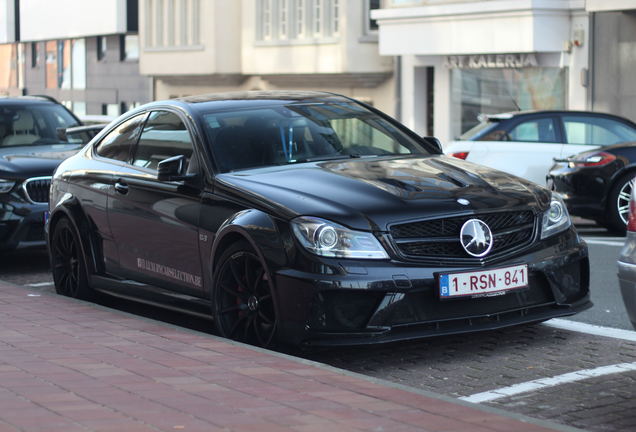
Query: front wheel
{"type": "Point", "coordinates": [67, 262]}
{"type": "Point", "coordinates": [242, 301]}
{"type": "Point", "coordinates": [618, 202]}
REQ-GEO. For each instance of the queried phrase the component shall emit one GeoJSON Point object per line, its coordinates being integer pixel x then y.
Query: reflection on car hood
{"type": "Point", "coordinates": [372, 193]}
{"type": "Point", "coordinates": [33, 161]}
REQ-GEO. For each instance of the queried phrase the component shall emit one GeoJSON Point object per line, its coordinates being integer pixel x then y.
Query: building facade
{"type": "Point", "coordinates": [200, 46]}
{"type": "Point", "coordinates": [613, 56]}
{"type": "Point", "coordinates": [460, 58]}
{"type": "Point", "coordinates": [90, 63]}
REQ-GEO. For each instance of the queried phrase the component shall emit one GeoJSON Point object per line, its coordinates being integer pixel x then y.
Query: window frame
{"type": "Point", "coordinates": [188, 128]}
{"type": "Point", "coordinates": [97, 156]}
{"type": "Point", "coordinates": [306, 22]}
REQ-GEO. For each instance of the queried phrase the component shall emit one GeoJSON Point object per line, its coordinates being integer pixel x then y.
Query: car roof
{"type": "Point", "coordinates": [512, 114]}
{"type": "Point", "coordinates": [21, 100]}
{"type": "Point", "coordinates": [246, 99]}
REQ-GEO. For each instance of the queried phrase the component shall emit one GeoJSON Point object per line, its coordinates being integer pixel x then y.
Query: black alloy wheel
{"type": "Point", "coordinates": [69, 269]}
{"type": "Point", "coordinates": [242, 302]}
{"type": "Point", "coordinates": [618, 202]}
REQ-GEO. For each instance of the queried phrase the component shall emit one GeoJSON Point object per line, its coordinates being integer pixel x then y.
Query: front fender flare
{"type": "Point", "coordinates": [257, 228]}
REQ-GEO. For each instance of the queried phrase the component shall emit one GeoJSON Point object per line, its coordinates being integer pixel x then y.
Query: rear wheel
{"type": "Point", "coordinates": [242, 302]}
{"type": "Point", "coordinates": [67, 261]}
{"type": "Point", "coordinates": [618, 202]}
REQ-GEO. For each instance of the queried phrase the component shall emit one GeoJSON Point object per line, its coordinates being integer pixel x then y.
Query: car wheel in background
{"type": "Point", "coordinates": [618, 202]}
{"type": "Point", "coordinates": [242, 301]}
{"type": "Point", "coordinates": [67, 262]}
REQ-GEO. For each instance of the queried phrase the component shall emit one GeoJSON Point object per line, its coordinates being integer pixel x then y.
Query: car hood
{"type": "Point", "coordinates": [33, 161]}
{"type": "Point", "coordinates": [372, 193]}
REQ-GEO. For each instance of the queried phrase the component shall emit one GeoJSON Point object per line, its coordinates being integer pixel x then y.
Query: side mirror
{"type": "Point", "coordinates": [171, 169]}
{"type": "Point", "coordinates": [433, 141]}
{"type": "Point", "coordinates": [61, 134]}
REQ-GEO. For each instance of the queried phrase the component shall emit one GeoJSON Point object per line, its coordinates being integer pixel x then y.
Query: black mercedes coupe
{"type": "Point", "coordinates": [307, 218]}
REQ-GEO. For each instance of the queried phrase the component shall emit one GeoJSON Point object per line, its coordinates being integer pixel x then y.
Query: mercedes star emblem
{"type": "Point", "coordinates": [476, 238]}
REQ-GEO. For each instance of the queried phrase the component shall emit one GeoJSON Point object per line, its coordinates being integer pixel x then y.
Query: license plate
{"type": "Point", "coordinates": [483, 283]}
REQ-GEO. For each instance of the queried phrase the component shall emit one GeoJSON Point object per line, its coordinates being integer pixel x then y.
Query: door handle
{"type": "Point", "coordinates": [121, 187]}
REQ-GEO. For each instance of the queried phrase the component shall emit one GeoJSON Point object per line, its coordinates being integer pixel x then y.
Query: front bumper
{"type": "Point", "coordinates": [374, 302]}
{"type": "Point", "coordinates": [21, 225]}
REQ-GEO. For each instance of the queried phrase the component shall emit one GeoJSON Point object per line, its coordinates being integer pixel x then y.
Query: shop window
{"type": "Point", "coordinates": [540, 130]}
{"type": "Point", "coordinates": [493, 91]}
{"type": "Point", "coordinates": [596, 131]}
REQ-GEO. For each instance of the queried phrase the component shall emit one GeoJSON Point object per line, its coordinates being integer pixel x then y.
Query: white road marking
{"type": "Point", "coordinates": [611, 238]}
{"type": "Point", "coordinates": [605, 242]}
{"type": "Point", "coordinates": [580, 327]}
{"type": "Point", "coordinates": [548, 382]}
{"type": "Point", "coordinates": [39, 284]}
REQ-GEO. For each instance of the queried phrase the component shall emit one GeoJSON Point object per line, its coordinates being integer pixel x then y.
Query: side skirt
{"type": "Point", "coordinates": [152, 295]}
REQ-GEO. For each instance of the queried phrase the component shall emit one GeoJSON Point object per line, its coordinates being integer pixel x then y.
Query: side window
{"type": "Point", "coordinates": [118, 143]}
{"type": "Point", "coordinates": [535, 130]}
{"type": "Point", "coordinates": [164, 136]}
{"type": "Point", "coordinates": [596, 131]}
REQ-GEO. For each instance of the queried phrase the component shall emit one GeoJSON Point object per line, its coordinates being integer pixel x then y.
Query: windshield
{"type": "Point", "coordinates": [33, 124]}
{"type": "Point", "coordinates": [478, 131]}
{"type": "Point", "coordinates": [298, 133]}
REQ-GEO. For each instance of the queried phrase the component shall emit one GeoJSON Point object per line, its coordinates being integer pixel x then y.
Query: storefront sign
{"type": "Point", "coordinates": [492, 61]}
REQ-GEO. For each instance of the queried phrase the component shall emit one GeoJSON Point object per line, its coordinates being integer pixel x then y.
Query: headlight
{"type": "Point", "coordinates": [555, 218]}
{"type": "Point", "coordinates": [329, 239]}
{"type": "Point", "coordinates": [6, 185]}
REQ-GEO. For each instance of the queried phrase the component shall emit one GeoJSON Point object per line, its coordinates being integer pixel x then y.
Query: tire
{"type": "Point", "coordinates": [67, 262]}
{"type": "Point", "coordinates": [242, 302]}
{"type": "Point", "coordinates": [618, 203]}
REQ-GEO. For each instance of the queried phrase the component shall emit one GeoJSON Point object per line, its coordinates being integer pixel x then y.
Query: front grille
{"type": "Point", "coordinates": [439, 238]}
{"type": "Point", "coordinates": [36, 189]}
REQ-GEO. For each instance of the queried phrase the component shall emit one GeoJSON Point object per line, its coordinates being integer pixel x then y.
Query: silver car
{"type": "Point", "coordinates": [627, 263]}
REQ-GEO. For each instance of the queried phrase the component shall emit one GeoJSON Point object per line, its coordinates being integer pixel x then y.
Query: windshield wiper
{"type": "Point", "coordinates": [325, 158]}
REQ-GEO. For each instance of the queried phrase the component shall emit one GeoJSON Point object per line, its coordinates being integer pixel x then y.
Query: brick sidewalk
{"type": "Point", "coordinates": [71, 366]}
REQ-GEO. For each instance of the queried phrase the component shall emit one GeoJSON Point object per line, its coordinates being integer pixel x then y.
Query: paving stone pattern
{"type": "Point", "coordinates": [73, 366]}
{"type": "Point", "coordinates": [467, 364]}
